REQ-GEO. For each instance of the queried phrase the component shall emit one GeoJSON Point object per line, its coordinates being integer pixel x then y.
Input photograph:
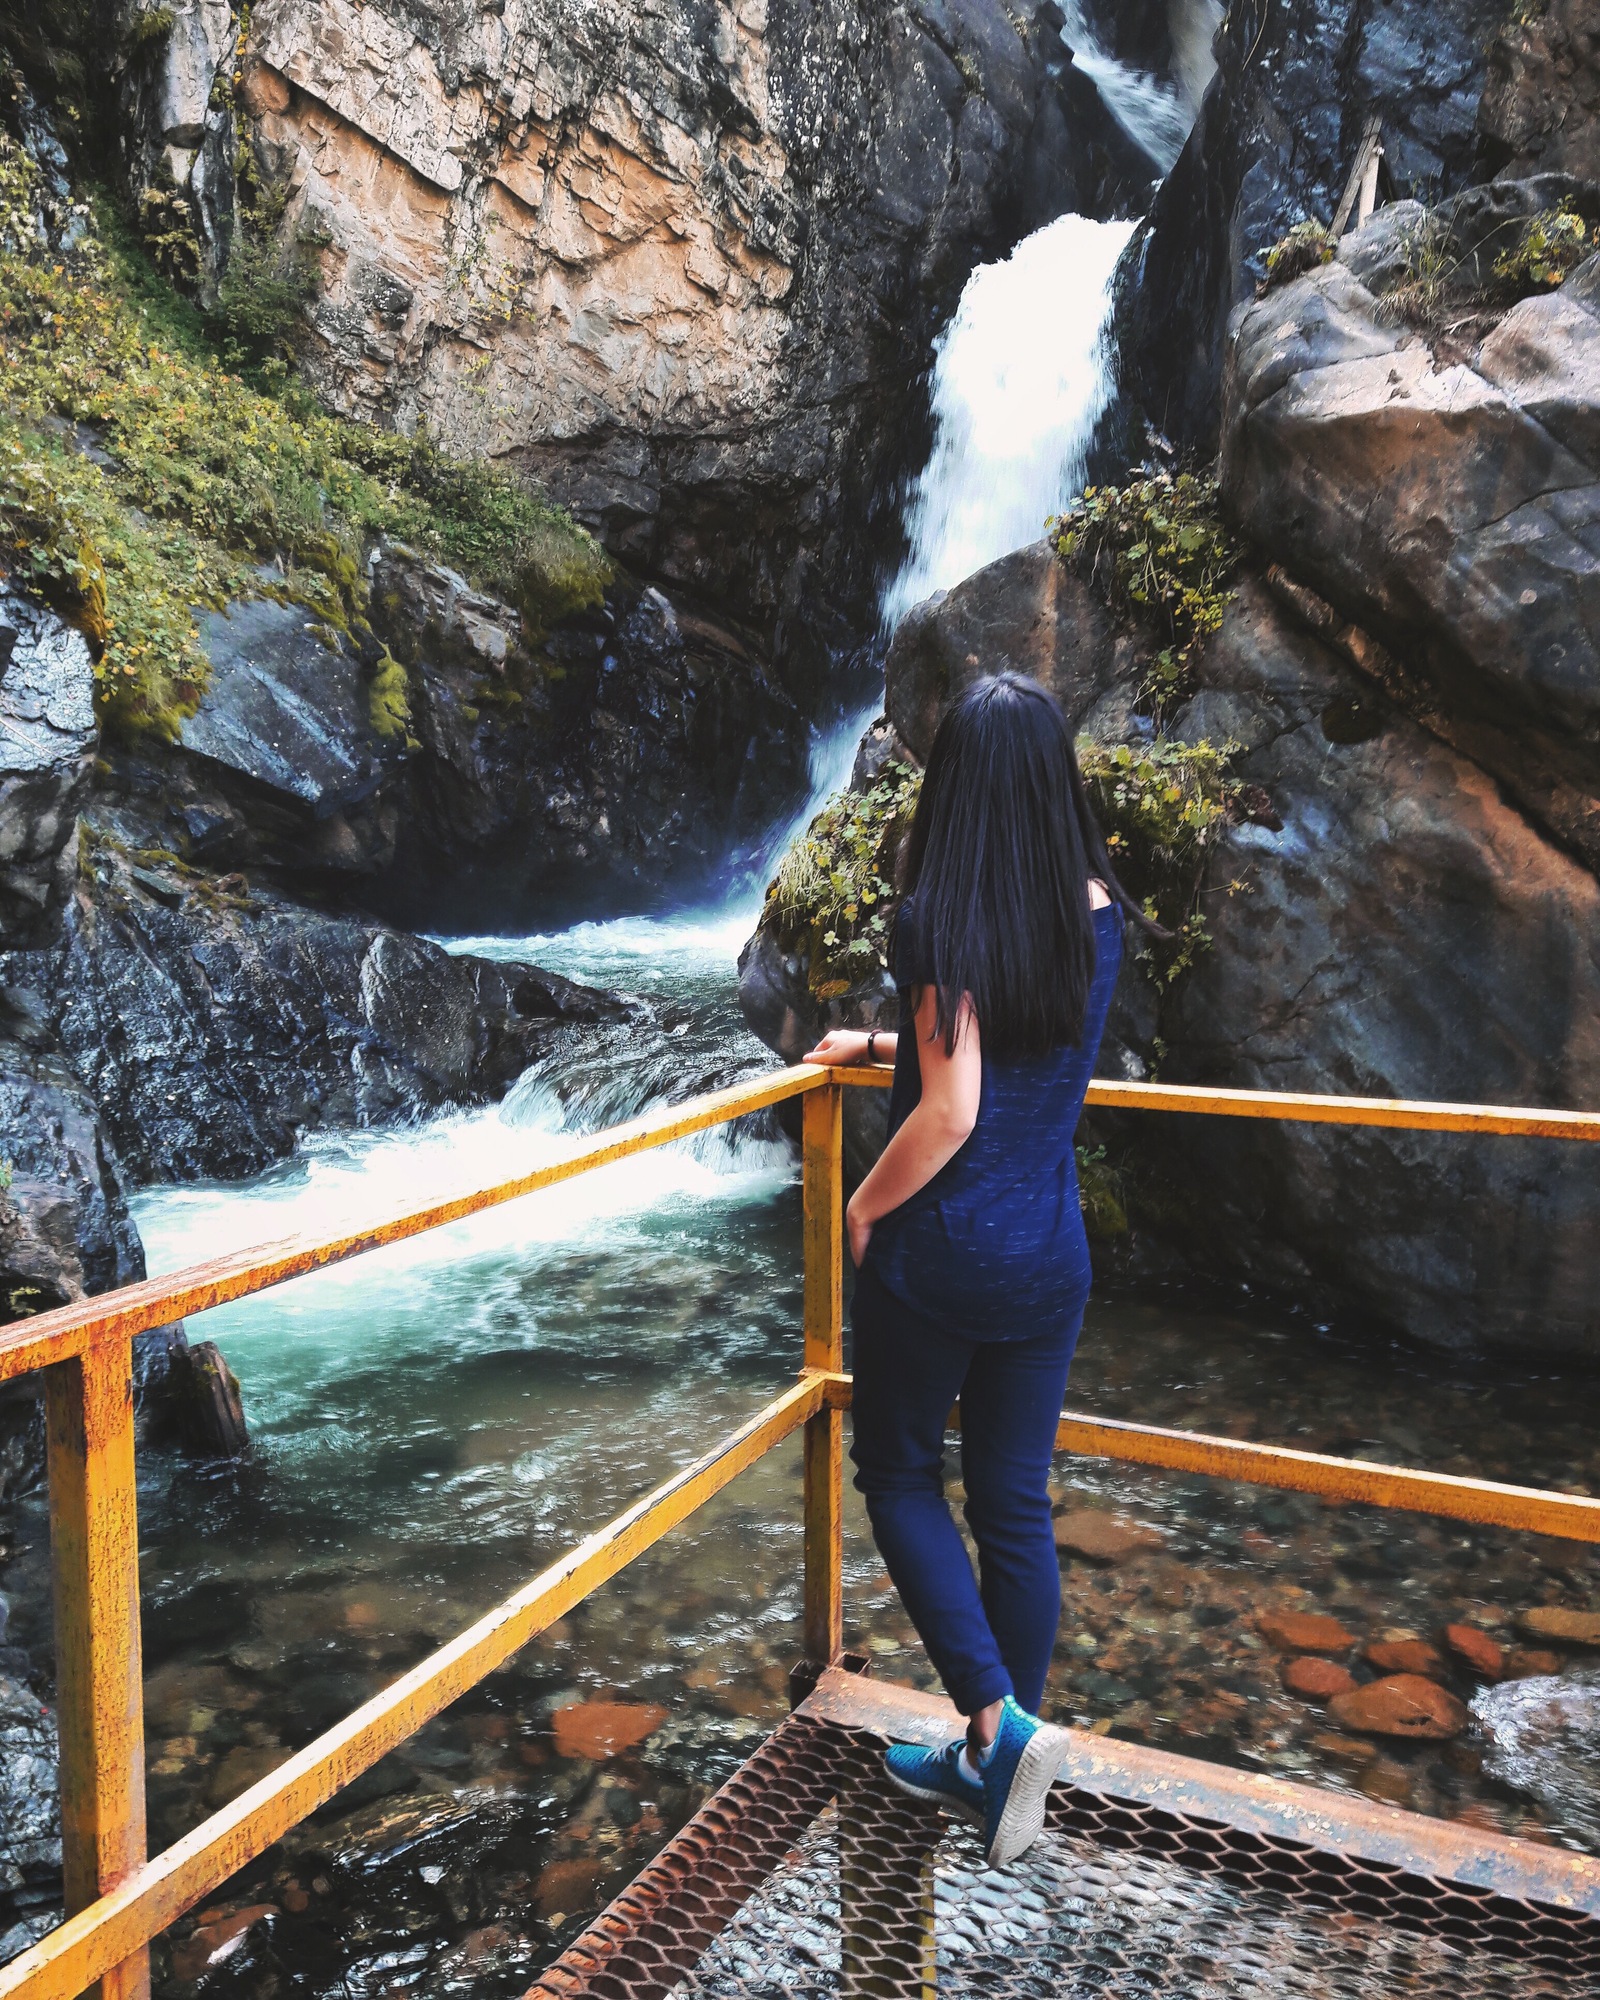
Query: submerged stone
{"type": "Point", "coordinates": [1556, 1623]}
{"type": "Point", "coordinates": [1304, 1632]}
{"type": "Point", "coordinates": [1405, 1705]}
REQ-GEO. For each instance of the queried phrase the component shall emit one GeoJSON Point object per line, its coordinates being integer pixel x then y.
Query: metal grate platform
{"type": "Point", "coordinates": [808, 1875]}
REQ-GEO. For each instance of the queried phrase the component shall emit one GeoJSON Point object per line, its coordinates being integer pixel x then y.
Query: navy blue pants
{"type": "Point", "coordinates": [995, 1639]}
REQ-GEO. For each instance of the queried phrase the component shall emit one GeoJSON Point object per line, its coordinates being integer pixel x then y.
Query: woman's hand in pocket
{"type": "Point", "coordinates": [859, 1230]}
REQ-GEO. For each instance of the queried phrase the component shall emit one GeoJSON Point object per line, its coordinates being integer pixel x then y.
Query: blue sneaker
{"type": "Point", "coordinates": [1022, 1767]}
{"type": "Point", "coordinates": [935, 1775]}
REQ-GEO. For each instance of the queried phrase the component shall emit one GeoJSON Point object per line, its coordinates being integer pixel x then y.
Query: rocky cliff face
{"type": "Point", "coordinates": [1297, 81]}
{"type": "Point", "coordinates": [684, 265]}
{"type": "Point", "coordinates": [1442, 487]}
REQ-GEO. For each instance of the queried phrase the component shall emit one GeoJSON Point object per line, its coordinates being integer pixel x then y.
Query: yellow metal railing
{"type": "Point", "coordinates": [119, 1900]}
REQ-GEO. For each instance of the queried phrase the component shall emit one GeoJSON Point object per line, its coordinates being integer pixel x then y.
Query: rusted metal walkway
{"type": "Point", "coordinates": [1152, 1864]}
{"type": "Point", "coordinates": [808, 1874]}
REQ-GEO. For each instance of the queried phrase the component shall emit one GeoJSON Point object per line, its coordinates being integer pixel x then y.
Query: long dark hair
{"type": "Point", "coordinates": [1001, 851]}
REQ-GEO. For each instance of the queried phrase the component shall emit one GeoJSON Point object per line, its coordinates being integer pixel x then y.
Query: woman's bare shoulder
{"type": "Point", "coordinates": [1099, 894]}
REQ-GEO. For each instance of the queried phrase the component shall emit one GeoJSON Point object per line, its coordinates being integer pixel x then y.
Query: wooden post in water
{"type": "Point", "coordinates": [822, 1197]}
{"type": "Point", "coordinates": [94, 1546]}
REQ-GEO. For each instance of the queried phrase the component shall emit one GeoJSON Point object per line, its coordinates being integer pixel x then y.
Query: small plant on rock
{"type": "Point", "coordinates": [834, 892]}
{"type": "Point", "coordinates": [1164, 806]}
{"type": "Point", "coordinates": [1159, 550]}
{"type": "Point", "coordinates": [1306, 247]}
{"type": "Point", "coordinates": [1554, 243]}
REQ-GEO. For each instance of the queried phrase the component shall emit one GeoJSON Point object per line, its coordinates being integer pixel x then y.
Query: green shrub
{"type": "Point", "coordinates": [1306, 247]}
{"type": "Point", "coordinates": [208, 473]}
{"type": "Point", "coordinates": [1163, 806]}
{"type": "Point", "coordinates": [1553, 244]}
{"type": "Point", "coordinates": [389, 702]}
{"type": "Point", "coordinates": [834, 892]}
{"type": "Point", "coordinates": [1159, 551]}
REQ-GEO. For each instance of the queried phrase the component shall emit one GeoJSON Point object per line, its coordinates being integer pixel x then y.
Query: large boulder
{"type": "Point", "coordinates": [48, 736]}
{"type": "Point", "coordinates": [1406, 932]}
{"type": "Point", "coordinates": [1401, 930]}
{"type": "Point", "coordinates": [684, 263]}
{"type": "Point", "coordinates": [1446, 500]}
{"type": "Point", "coordinates": [212, 1021]}
{"type": "Point", "coordinates": [30, 1819]}
{"type": "Point", "coordinates": [1274, 143]}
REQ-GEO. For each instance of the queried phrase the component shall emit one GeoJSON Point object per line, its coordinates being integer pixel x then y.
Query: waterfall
{"type": "Point", "coordinates": [1021, 376]}
{"type": "Point", "coordinates": [1155, 115]}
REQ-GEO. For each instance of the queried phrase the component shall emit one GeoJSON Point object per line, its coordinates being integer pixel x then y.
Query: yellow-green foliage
{"type": "Point", "coordinates": [1305, 248]}
{"type": "Point", "coordinates": [1553, 244]}
{"type": "Point", "coordinates": [834, 891]}
{"type": "Point", "coordinates": [389, 701]}
{"type": "Point", "coordinates": [1163, 806]}
{"type": "Point", "coordinates": [209, 474]}
{"type": "Point", "coordinates": [1159, 550]}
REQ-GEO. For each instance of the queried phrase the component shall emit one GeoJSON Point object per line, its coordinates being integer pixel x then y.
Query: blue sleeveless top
{"type": "Point", "coordinates": [993, 1248]}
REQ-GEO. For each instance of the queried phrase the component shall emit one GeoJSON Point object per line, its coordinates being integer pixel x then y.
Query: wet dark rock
{"type": "Point", "coordinates": [1382, 948]}
{"type": "Point", "coordinates": [1452, 510]}
{"type": "Point", "coordinates": [703, 1750]}
{"type": "Point", "coordinates": [1274, 143]}
{"type": "Point", "coordinates": [214, 1022]}
{"type": "Point", "coordinates": [48, 736]}
{"type": "Point", "coordinates": [30, 1821]}
{"type": "Point", "coordinates": [1544, 1742]}
{"type": "Point", "coordinates": [631, 742]}
{"type": "Point", "coordinates": [282, 749]}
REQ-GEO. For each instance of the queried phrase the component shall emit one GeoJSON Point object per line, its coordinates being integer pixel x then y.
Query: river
{"type": "Point", "coordinates": [435, 1422]}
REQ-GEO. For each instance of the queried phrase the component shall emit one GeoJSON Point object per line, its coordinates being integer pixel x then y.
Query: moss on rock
{"type": "Point", "coordinates": [141, 477]}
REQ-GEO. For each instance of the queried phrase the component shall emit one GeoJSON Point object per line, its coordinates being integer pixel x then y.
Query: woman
{"type": "Point", "coordinates": [972, 1263]}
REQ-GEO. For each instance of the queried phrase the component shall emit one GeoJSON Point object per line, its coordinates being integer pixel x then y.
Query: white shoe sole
{"type": "Point", "coordinates": [1023, 1819]}
{"type": "Point", "coordinates": [933, 1798]}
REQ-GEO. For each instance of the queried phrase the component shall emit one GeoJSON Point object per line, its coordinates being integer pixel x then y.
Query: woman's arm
{"type": "Point", "coordinates": [937, 1128]}
{"type": "Point", "coordinates": [844, 1048]}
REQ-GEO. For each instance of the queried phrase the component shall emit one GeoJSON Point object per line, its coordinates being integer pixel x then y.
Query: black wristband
{"type": "Point", "coordinates": [872, 1045]}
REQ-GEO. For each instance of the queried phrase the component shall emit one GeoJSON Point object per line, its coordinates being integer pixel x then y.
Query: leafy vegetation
{"type": "Point", "coordinates": [834, 892]}
{"type": "Point", "coordinates": [1306, 247]}
{"type": "Point", "coordinates": [1164, 805]}
{"type": "Point", "coordinates": [1554, 243]}
{"type": "Point", "coordinates": [1159, 551]}
{"type": "Point", "coordinates": [141, 477]}
{"type": "Point", "coordinates": [1445, 285]}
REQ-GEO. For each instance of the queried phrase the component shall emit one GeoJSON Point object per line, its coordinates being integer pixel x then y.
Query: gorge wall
{"type": "Point", "coordinates": [681, 265]}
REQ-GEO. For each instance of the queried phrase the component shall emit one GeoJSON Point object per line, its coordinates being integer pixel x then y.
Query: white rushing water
{"type": "Point", "coordinates": [1021, 376]}
{"type": "Point", "coordinates": [1156, 116]}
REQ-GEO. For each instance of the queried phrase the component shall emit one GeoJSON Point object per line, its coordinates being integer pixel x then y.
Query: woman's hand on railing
{"type": "Point", "coordinates": [840, 1048]}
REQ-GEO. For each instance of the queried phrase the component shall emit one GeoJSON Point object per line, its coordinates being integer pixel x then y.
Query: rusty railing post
{"type": "Point", "coordinates": [823, 1206]}
{"type": "Point", "coordinates": [94, 1547]}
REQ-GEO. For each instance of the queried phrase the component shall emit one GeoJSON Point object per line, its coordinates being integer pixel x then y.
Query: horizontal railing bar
{"type": "Point", "coordinates": [68, 1330]}
{"type": "Point", "coordinates": [1575, 1517]}
{"type": "Point", "coordinates": [1303, 1108]}
{"type": "Point", "coordinates": [75, 1954]}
